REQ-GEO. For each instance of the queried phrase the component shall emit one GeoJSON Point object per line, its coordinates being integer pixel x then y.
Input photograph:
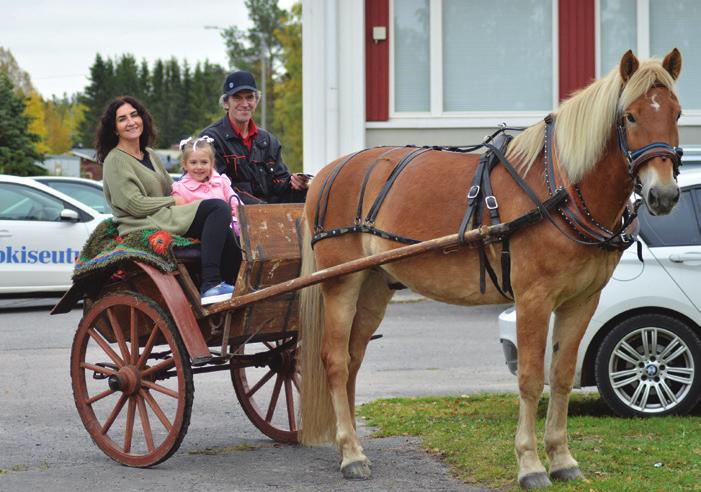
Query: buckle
{"type": "Point", "coordinates": [474, 191]}
{"type": "Point", "coordinates": [491, 202]}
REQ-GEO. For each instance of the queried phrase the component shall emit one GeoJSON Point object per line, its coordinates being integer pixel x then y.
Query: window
{"type": "Point", "coordinates": [679, 228]}
{"type": "Point", "coordinates": [19, 202]}
{"type": "Point", "coordinates": [454, 57]}
{"type": "Point", "coordinates": [85, 193]}
{"type": "Point", "coordinates": [653, 28]}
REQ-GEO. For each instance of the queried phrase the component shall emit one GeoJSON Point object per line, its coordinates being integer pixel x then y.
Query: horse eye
{"type": "Point", "coordinates": [630, 118]}
{"type": "Point", "coordinates": [679, 116]}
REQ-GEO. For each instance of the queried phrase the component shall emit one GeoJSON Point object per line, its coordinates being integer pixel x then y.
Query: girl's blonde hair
{"type": "Point", "coordinates": [188, 145]}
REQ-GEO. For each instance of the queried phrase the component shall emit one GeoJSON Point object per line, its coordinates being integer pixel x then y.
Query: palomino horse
{"type": "Point", "coordinates": [617, 134]}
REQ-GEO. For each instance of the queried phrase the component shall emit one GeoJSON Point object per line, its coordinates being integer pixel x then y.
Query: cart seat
{"type": "Point", "coordinates": [189, 253]}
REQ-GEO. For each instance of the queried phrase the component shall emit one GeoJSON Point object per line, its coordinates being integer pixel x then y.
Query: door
{"type": "Point", "coordinates": [37, 248]}
{"type": "Point", "coordinates": [675, 240]}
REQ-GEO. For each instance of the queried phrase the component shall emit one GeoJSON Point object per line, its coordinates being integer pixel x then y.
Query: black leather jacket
{"type": "Point", "coordinates": [258, 176]}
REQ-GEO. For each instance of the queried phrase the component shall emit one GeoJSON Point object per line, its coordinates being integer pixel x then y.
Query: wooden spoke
{"type": "Point", "coordinates": [260, 383]}
{"type": "Point", "coordinates": [156, 408]}
{"type": "Point", "coordinates": [99, 369]}
{"type": "Point", "coordinates": [274, 398]}
{"type": "Point", "coordinates": [145, 424]}
{"type": "Point", "coordinates": [161, 366]}
{"type": "Point", "coordinates": [106, 347]}
{"type": "Point", "coordinates": [131, 410]}
{"type": "Point", "coordinates": [290, 404]}
{"type": "Point", "coordinates": [133, 335]}
{"type": "Point", "coordinates": [99, 396]}
{"type": "Point", "coordinates": [115, 412]}
{"type": "Point", "coordinates": [148, 347]}
{"type": "Point", "coordinates": [118, 333]}
{"type": "Point", "coordinates": [160, 389]}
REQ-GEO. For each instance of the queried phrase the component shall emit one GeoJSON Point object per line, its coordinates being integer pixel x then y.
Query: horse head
{"type": "Point", "coordinates": [647, 129]}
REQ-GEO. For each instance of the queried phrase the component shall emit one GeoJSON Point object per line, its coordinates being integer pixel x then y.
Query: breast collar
{"type": "Point", "coordinates": [575, 211]}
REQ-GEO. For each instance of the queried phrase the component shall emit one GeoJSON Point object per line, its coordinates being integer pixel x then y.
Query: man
{"type": "Point", "coordinates": [249, 155]}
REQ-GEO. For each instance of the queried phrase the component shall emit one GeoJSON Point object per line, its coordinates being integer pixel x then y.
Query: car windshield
{"type": "Point", "coordinates": [90, 195]}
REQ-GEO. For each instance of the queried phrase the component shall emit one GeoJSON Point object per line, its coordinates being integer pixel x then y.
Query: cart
{"type": "Point", "coordinates": [144, 335]}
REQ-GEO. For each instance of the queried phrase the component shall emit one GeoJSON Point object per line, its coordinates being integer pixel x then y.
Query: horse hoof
{"type": "Point", "coordinates": [567, 474]}
{"type": "Point", "coordinates": [357, 470]}
{"type": "Point", "coordinates": [534, 481]}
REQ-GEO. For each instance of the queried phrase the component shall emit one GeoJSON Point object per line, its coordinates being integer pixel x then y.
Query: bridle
{"type": "Point", "coordinates": [636, 158]}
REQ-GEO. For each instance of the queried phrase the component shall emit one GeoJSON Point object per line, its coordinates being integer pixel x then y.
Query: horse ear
{"type": "Point", "coordinates": [629, 64]}
{"type": "Point", "coordinates": [673, 63]}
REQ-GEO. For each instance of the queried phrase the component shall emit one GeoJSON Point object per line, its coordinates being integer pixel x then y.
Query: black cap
{"type": "Point", "coordinates": [239, 81]}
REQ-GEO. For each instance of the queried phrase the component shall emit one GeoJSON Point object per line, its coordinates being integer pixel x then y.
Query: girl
{"type": "Point", "coordinates": [201, 181]}
{"type": "Point", "coordinates": [138, 189]}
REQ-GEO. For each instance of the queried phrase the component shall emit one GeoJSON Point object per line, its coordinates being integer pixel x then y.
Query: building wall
{"type": "Point", "coordinates": [347, 81]}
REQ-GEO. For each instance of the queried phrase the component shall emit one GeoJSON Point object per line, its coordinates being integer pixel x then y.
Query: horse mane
{"type": "Point", "coordinates": [583, 123]}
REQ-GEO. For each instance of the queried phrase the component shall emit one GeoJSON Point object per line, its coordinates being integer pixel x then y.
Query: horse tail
{"type": "Point", "coordinates": [317, 418]}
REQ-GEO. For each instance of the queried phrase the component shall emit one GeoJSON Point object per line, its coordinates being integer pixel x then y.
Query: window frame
{"type": "Point", "coordinates": [436, 117]}
{"type": "Point", "coordinates": [690, 117]}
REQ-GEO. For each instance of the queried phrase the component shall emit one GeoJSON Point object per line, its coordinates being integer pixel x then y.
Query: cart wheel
{"type": "Point", "coordinates": [135, 402]}
{"type": "Point", "coordinates": [267, 385]}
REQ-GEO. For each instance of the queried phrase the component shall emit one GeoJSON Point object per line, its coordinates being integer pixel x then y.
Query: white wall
{"type": "Point", "coordinates": [333, 63]}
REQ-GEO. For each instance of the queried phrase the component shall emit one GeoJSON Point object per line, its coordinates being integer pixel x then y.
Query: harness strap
{"type": "Point", "coordinates": [403, 163]}
{"type": "Point", "coordinates": [363, 186]}
{"type": "Point", "coordinates": [320, 215]}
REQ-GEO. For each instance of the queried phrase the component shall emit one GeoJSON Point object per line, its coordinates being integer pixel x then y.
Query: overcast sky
{"type": "Point", "coordinates": [56, 41]}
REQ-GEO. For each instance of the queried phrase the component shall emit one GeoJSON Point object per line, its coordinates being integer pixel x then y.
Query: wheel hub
{"type": "Point", "coordinates": [652, 370]}
{"type": "Point", "coordinates": [127, 380]}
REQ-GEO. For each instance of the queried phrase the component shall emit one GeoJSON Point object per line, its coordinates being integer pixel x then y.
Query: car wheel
{"type": "Point", "coordinates": [650, 365]}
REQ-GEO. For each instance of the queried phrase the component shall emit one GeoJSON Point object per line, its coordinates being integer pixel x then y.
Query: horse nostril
{"type": "Point", "coordinates": [653, 196]}
{"type": "Point", "coordinates": [676, 197]}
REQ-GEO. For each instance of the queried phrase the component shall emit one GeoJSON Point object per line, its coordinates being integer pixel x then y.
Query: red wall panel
{"type": "Point", "coordinates": [376, 62]}
{"type": "Point", "coordinates": [576, 33]}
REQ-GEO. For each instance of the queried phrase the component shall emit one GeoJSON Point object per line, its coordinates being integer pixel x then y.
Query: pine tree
{"type": "Point", "coordinates": [96, 97]}
{"type": "Point", "coordinates": [18, 154]}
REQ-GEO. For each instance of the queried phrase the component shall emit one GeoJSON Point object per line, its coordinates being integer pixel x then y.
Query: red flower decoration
{"type": "Point", "coordinates": [159, 241]}
{"type": "Point", "coordinates": [119, 239]}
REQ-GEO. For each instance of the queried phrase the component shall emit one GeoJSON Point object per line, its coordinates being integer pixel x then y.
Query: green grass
{"type": "Point", "coordinates": [474, 435]}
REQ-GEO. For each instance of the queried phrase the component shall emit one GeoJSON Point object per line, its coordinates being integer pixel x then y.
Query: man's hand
{"type": "Point", "coordinates": [299, 181]}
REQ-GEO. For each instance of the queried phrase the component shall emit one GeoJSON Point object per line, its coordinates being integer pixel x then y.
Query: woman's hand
{"type": "Point", "coordinates": [179, 200]}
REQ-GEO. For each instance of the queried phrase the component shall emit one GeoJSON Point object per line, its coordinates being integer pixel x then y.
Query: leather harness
{"type": "Point", "coordinates": [568, 200]}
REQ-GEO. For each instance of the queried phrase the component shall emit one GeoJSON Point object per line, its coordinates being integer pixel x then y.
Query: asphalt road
{"type": "Point", "coordinates": [426, 349]}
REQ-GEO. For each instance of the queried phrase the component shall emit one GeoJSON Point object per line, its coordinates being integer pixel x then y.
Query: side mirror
{"type": "Point", "coordinates": [69, 215]}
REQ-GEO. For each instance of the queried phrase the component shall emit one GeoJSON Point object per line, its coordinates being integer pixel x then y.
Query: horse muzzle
{"type": "Point", "coordinates": [659, 198]}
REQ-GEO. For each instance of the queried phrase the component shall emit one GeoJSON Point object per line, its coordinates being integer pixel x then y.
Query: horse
{"type": "Point", "coordinates": [617, 135]}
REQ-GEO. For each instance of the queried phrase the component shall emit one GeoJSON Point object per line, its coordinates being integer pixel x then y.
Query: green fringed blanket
{"type": "Point", "coordinates": [105, 250]}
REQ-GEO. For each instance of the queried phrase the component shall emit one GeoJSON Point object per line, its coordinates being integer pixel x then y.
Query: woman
{"type": "Point", "coordinates": [138, 189]}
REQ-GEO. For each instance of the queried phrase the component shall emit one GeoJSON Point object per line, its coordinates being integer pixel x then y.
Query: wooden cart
{"type": "Point", "coordinates": [143, 336]}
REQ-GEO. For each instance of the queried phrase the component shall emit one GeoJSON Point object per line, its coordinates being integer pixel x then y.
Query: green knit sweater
{"type": "Point", "coordinates": [140, 198]}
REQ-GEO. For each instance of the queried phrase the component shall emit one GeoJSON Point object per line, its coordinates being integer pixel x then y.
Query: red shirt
{"type": "Point", "coordinates": [252, 133]}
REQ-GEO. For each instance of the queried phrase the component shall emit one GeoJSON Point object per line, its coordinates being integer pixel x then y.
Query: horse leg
{"type": "Point", "coordinates": [570, 324]}
{"type": "Point", "coordinates": [532, 331]}
{"type": "Point", "coordinates": [340, 299]}
{"type": "Point", "coordinates": [374, 297]}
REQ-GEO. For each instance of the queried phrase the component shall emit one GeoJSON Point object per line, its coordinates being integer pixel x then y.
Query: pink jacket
{"type": "Point", "coordinates": [218, 186]}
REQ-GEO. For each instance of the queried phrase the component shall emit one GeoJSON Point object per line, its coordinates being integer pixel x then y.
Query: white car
{"type": "Point", "coordinates": [87, 191]}
{"type": "Point", "coordinates": [41, 234]}
{"type": "Point", "coordinates": [642, 348]}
